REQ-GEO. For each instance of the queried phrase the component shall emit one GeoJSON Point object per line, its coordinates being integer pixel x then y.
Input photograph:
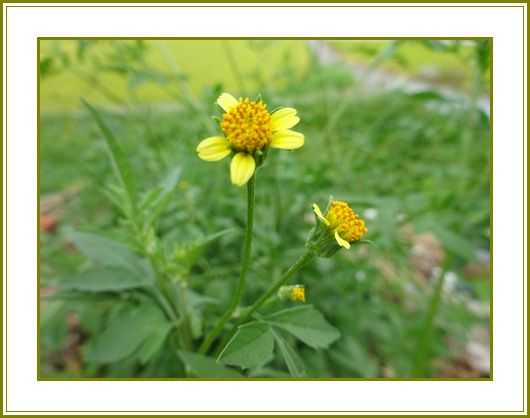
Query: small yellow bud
{"type": "Point", "coordinates": [295, 293]}
{"type": "Point", "coordinates": [298, 294]}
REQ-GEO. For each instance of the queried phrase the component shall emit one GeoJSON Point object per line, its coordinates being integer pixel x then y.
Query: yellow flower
{"type": "Point", "coordinates": [249, 129]}
{"type": "Point", "coordinates": [343, 222]}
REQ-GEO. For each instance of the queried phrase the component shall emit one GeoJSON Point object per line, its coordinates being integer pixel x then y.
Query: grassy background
{"type": "Point", "coordinates": [414, 165]}
{"type": "Point", "coordinates": [199, 63]}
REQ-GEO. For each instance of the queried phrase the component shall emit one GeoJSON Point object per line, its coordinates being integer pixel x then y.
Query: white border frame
{"type": "Point", "coordinates": [506, 393]}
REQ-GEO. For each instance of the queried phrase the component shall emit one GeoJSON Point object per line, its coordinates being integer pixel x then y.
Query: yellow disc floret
{"type": "Point", "coordinates": [345, 221]}
{"type": "Point", "coordinates": [248, 126]}
{"type": "Point", "coordinates": [298, 294]}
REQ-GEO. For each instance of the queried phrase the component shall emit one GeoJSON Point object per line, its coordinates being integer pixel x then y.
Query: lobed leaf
{"type": "Point", "coordinates": [251, 346]}
{"type": "Point", "coordinates": [307, 324]}
{"type": "Point", "coordinates": [294, 363]}
{"type": "Point", "coordinates": [202, 366]}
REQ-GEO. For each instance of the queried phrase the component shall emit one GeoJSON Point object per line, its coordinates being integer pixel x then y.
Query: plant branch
{"type": "Point", "coordinates": [301, 262]}
{"type": "Point", "coordinates": [245, 264]}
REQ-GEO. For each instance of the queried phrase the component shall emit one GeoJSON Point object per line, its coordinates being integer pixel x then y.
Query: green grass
{"type": "Point", "coordinates": [418, 163]}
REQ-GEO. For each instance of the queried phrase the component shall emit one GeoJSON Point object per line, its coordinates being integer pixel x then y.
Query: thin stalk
{"type": "Point", "coordinates": [245, 264]}
{"type": "Point", "coordinates": [185, 327]}
{"type": "Point", "coordinates": [301, 262]}
{"type": "Point", "coordinates": [177, 309]}
{"type": "Point", "coordinates": [164, 304]}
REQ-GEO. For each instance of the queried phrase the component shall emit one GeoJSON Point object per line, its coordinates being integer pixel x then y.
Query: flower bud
{"type": "Point", "coordinates": [295, 293]}
{"type": "Point", "coordinates": [340, 227]}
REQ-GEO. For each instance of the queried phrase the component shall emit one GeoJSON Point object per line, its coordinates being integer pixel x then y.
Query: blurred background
{"type": "Point", "coordinates": [399, 129]}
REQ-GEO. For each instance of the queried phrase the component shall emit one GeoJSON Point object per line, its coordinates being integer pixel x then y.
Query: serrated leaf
{"type": "Point", "coordinates": [120, 162]}
{"type": "Point", "coordinates": [202, 366]}
{"type": "Point", "coordinates": [307, 324]}
{"type": "Point", "coordinates": [107, 252]}
{"type": "Point", "coordinates": [251, 346]}
{"type": "Point", "coordinates": [105, 279]}
{"type": "Point", "coordinates": [125, 333]}
{"type": "Point", "coordinates": [292, 359]}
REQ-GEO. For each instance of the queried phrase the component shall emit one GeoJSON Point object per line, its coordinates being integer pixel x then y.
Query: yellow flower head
{"type": "Point", "coordinates": [343, 222]}
{"type": "Point", "coordinates": [249, 128]}
{"type": "Point", "coordinates": [294, 293]}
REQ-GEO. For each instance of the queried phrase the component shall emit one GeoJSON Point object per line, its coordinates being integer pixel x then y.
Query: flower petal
{"type": "Point", "coordinates": [214, 148]}
{"type": "Point", "coordinates": [318, 212]}
{"type": "Point", "coordinates": [287, 140]}
{"type": "Point", "coordinates": [227, 101]}
{"type": "Point", "coordinates": [242, 168]}
{"type": "Point", "coordinates": [342, 242]}
{"type": "Point", "coordinates": [284, 118]}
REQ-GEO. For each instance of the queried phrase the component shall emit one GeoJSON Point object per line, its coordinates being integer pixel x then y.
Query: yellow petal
{"type": "Point", "coordinates": [211, 141]}
{"type": "Point", "coordinates": [341, 242]}
{"type": "Point", "coordinates": [287, 140]}
{"type": "Point", "coordinates": [318, 212]}
{"type": "Point", "coordinates": [214, 148]}
{"type": "Point", "coordinates": [227, 101]}
{"type": "Point", "coordinates": [242, 168]}
{"type": "Point", "coordinates": [284, 118]}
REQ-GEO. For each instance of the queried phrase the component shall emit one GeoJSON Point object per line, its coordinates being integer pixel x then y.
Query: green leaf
{"type": "Point", "coordinates": [202, 366]}
{"type": "Point", "coordinates": [120, 162]}
{"type": "Point", "coordinates": [251, 346]}
{"type": "Point", "coordinates": [307, 324]}
{"type": "Point", "coordinates": [292, 359]}
{"type": "Point", "coordinates": [153, 343]}
{"type": "Point", "coordinates": [106, 279]}
{"type": "Point", "coordinates": [106, 252]}
{"type": "Point", "coordinates": [188, 253]}
{"type": "Point", "coordinates": [125, 333]}
{"type": "Point", "coordinates": [157, 200]}
{"type": "Point", "coordinates": [69, 295]}
{"type": "Point", "coordinates": [351, 356]}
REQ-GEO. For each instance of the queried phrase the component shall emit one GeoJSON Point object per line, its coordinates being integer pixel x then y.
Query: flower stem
{"type": "Point", "coordinates": [245, 264]}
{"type": "Point", "coordinates": [301, 262]}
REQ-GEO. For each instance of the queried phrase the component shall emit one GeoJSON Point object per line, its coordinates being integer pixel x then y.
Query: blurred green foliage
{"type": "Point", "coordinates": [410, 163]}
{"type": "Point", "coordinates": [150, 71]}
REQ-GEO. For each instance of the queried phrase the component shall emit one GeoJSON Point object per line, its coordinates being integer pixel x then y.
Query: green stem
{"type": "Point", "coordinates": [164, 304]}
{"type": "Point", "coordinates": [245, 264]}
{"type": "Point", "coordinates": [185, 327]}
{"type": "Point", "coordinates": [301, 262]}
